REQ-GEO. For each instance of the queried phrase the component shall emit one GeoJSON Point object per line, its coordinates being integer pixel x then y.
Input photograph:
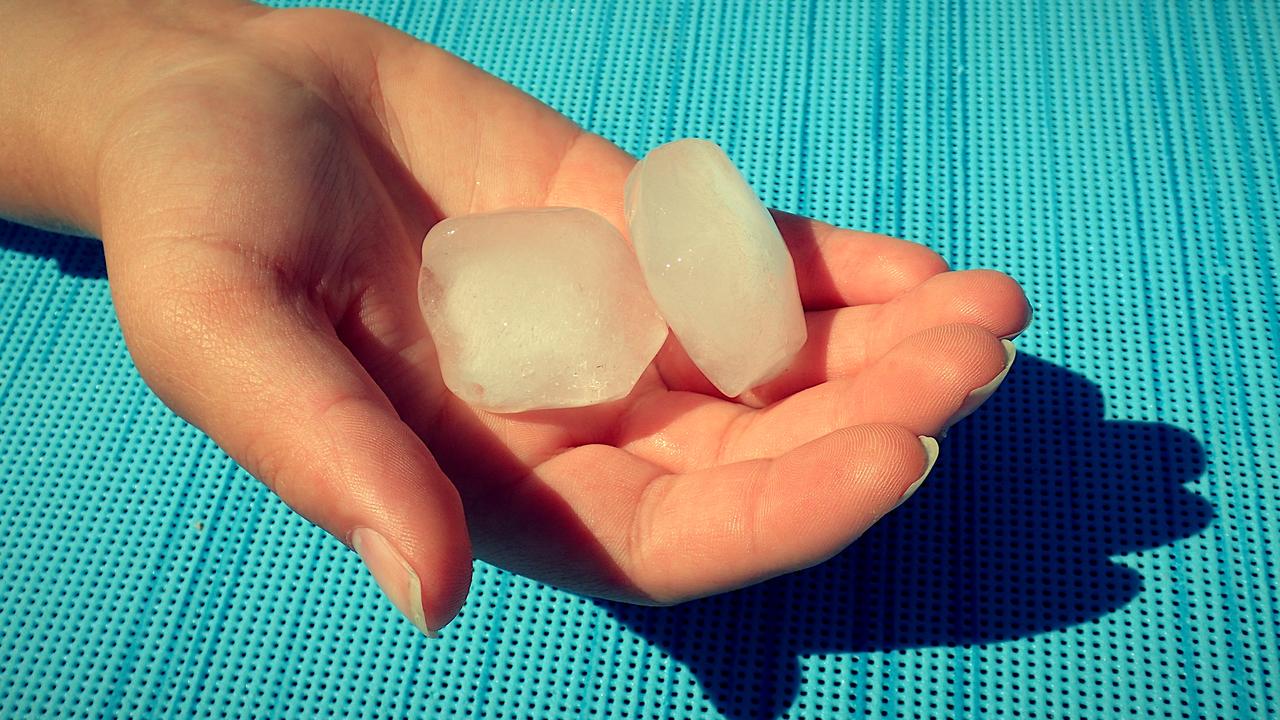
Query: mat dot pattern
{"type": "Point", "coordinates": [1100, 540]}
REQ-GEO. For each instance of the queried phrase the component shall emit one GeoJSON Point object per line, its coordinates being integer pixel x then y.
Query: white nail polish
{"type": "Point", "coordinates": [394, 576]}
{"type": "Point", "coordinates": [930, 457]}
{"type": "Point", "coordinates": [984, 393]}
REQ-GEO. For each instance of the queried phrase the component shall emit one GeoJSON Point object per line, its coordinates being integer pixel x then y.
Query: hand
{"type": "Point", "coordinates": [263, 198]}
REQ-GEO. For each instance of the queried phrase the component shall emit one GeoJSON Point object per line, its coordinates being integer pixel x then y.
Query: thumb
{"type": "Point", "coordinates": [268, 379]}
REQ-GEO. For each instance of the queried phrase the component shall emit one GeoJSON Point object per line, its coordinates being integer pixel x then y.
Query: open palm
{"type": "Point", "coordinates": [263, 205]}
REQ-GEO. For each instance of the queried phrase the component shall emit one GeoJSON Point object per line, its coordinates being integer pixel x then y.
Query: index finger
{"type": "Point", "coordinates": [836, 267]}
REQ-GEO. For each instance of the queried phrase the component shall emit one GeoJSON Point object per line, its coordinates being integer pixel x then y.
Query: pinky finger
{"type": "Point", "coordinates": [726, 527]}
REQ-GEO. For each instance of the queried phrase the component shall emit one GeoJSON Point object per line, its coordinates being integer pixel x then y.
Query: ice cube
{"type": "Point", "coordinates": [537, 309]}
{"type": "Point", "coordinates": [715, 263]}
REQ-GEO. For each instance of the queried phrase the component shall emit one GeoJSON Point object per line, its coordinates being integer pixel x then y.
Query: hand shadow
{"type": "Point", "coordinates": [1011, 536]}
{"type": "Point", "coordinates": [78, 257]}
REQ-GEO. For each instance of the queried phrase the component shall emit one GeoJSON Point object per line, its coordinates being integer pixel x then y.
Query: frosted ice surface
{"type": "Point", "coordinates": [715, 263]}
{"type": "Point", "coordinates": [537, 309]}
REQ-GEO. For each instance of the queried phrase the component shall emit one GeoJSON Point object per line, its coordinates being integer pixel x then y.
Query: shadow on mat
{"type": "Point", "coordinates": [78, 257]}
{"type": "Point", "coordinates": [1011, 536]}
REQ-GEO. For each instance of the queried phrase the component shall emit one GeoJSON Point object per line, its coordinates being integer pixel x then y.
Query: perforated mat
{"type": "Point", "coordinates": [1100, 540]}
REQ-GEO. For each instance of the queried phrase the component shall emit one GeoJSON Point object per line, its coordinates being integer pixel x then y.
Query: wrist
{"type": "Point", "coordinates": [70, 69]}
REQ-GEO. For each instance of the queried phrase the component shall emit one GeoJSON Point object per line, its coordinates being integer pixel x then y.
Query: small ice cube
{"type": "Point", "coordinates": [715, 263]}
{"type": "Point", "coordinates": [536, 309]}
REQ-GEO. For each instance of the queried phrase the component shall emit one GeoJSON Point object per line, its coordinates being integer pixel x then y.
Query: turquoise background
{"type": "Point", "coordinates": [1100, 540]}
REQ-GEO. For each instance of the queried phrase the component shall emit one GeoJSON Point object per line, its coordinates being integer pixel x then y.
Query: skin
{"type": "Point", "coordinates": [262, 181]}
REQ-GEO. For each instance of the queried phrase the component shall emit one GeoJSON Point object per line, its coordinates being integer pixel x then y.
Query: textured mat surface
{"type": "Point", "coordinates": [1100, 540]}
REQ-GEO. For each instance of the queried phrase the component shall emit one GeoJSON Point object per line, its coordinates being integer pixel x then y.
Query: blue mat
{"type": "Point", "coordinates": [1103, 539]}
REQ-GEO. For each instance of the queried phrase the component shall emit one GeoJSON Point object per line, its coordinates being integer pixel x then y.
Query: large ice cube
{"type": "Point", "coordinates": [535, 309]}
{"type": "Point", "coordinates": [715, 263]}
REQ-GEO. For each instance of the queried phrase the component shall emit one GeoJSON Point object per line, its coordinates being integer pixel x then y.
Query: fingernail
{"type": "Point", "coordinates": [982, 394]}
{"type": "Point", "coordinates": [395, 576]}
{"type": "Point", "coordinates": [930, 457]}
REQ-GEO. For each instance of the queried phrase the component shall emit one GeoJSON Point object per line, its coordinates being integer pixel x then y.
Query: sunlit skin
{"type": "Point", "coordinates": [262, 182]}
